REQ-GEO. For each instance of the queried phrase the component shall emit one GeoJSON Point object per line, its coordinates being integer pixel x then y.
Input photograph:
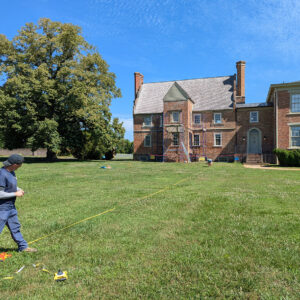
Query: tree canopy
{"type": "Point", "coordinates": [55, 92]}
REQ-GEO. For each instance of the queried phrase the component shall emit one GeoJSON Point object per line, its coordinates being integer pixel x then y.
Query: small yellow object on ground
{"type": "Point", "coordinates": [60, 276]}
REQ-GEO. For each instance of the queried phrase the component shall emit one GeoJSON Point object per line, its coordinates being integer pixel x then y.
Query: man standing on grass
{"type": "Point", "coordinates": [8, 193]}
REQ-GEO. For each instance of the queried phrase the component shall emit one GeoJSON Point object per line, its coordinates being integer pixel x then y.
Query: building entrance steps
{"type": "Point", "coordinates": [254, 159]}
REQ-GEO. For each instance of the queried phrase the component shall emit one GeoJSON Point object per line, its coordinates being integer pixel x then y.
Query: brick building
{"type": "Point", "coordinates": [185, 120]}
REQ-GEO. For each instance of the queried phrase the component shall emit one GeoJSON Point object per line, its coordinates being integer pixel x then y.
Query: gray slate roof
{"type": "Point", "coordinates": [246, 105]}
{"type": "Point", "coordinates": [215, 93]}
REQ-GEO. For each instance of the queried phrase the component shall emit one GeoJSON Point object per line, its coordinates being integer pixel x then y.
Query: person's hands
{"type": "Point", "coordinates": [19, 193]}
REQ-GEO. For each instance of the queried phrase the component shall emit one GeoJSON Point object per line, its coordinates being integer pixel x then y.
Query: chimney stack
{"type": "Point", "coordinates": [138, 82]}
{"type": "Point", "coordinates": [240, 92]}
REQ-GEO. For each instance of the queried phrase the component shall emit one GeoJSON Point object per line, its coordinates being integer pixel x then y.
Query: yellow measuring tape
{"type": "Point", "coordinates": [105, 212]}
{"type": "Point", "coordinates": [45, 236]}
{"type": "Point", "coordinates": [86, 219]}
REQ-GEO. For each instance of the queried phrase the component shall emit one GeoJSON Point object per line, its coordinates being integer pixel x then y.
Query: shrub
{"type": "Point", "coordinates": [290, 158]}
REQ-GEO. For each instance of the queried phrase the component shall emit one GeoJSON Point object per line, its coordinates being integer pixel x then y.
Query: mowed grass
{"type": "Point", "coordinates": [203, 232]}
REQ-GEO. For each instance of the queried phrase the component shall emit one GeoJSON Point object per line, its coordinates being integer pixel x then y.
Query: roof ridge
{"type": "Point", "coordinates": [189, 79]}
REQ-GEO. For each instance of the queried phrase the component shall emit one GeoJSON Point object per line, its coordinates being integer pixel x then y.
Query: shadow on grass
{"type": "Point", "coordinates": [32, 160]}
{"type": "Point", "coordinates": [120, 159]}
{"type": "Point", "coordinates": [9, 249]}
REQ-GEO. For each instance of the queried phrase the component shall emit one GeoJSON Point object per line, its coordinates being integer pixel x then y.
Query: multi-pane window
{"type": "Point", "coordinates": [175, 116]}
{"type": "Point", "coordinates": [175, 139]}
{"type": "Point", "coordinates": [197, 119]}
{"type": "Point", "coordinates": [253, 116]}
{"type": "Point", "coordinates": [218, 139]}
{"type": "Point", "coordinates": [148, 121]}
{"type": "Point", "coordinates": [295, 104]}
{"type": "Point", "coordinates": [217, 118]}
{"type": "Point", "coordinates": [295, 136]}
{"type": "Point", "coordinates": [196, 140]}
{"type": "Point", "coordinates": [147, 140]}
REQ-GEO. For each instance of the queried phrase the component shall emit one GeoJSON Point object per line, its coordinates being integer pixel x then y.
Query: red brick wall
{"type": "Point", "coordinates": [141, 131]}
{"type": "Point", "coordinates": [265, 125]}
{"type": "Point", "coordinates": [284, 118]}
{"type": "Point", "coordinates": [227, 129]}
{"type": "Point", "coordinates": [176, 153]}
{"type": "Point", "coordinates": [232, 132]}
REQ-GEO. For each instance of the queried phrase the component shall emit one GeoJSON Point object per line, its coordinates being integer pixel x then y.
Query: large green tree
{"type": "Point", "coordinates": [55, 92]}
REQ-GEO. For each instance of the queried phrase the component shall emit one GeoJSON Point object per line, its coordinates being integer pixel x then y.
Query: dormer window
{"type": "Point", "coordinates": [147, 121]}
{"type": "Point", "coordinates": [253, 116]}
{"type": "Point", "coordinates": [175, 116]}
{"type": "Point", "coordinates": [217, 118]}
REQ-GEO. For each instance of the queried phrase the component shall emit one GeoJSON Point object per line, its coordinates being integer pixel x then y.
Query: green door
{"type": "Point", "coordinates": [254, 141]}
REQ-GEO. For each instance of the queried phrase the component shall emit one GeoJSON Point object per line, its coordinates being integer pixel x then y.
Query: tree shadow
{"type": "Point", "coordinates": [9, 250]}
{"type": "Point", "coordinates": [32, 160]}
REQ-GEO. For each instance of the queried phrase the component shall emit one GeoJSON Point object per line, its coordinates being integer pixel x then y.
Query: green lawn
{"type": "Point", "coordinates": [204, 232]}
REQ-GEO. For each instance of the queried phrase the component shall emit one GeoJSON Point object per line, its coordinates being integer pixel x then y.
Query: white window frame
{"type": "Point", "coordinates": [173, 135]}
{"type": "Point", "coordinates": [215, 114]}
{"type": "Point", "coordinates": [215, 139]}
{"type": "Point", "coordinates": [160, 121]}
{"type": "Point", "coordinates": [145, 139]}
{"type": "Point", "coordinates": [291, 137]}
{"type": "Point", "coordinates": [257, 120]}
{"type": "Point", "coordinates": [175, 112]}
{"type": "Point", "coordinates": [147, 125]}
{"type": "Point", "coordinates": [194, 144]}
{"type": "Point", "coordinates": [296, 104]}
{"type": "Point", "coordinates": [198, 115]}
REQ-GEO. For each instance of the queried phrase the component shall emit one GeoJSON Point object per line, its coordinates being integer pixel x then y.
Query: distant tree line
{"type": "Point", "coordinates": [55, 93]}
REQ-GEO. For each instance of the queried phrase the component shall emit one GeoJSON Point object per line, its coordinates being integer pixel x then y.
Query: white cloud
{"type": "Point", "coordinates": [127, 124]}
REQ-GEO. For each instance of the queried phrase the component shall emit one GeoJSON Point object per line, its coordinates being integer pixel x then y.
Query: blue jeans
{"type": "Point", "coordinates": [10, 219]}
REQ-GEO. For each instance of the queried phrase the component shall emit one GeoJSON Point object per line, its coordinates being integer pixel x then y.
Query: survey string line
{"type": "Point", "coordinates": [155, 193]}
{"type": "Point", "coordinates": [105, 212]}
{"type": "Point", "coordinates": [71, 225]}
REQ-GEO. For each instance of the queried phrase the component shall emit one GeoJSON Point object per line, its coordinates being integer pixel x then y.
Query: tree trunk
{"type": "Point", "coordinates": [51, 156]}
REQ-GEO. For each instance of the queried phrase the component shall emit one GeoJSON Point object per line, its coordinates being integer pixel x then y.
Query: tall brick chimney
{"type": "Point", "coordinates": [138, 82]}
{"type": "Point", "coordinates": [240, 91]}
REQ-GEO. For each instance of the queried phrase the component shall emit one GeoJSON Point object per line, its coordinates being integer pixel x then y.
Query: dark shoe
{"type": "Point", "coordinates": [29, 250]}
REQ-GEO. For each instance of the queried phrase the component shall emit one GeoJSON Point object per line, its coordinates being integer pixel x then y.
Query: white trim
{"type": "Point", "coordinates": [221, 139]}
{"type": "Point", "coordinates": [172, 118]}
{"type": "Point", "coordinates": [250, 119]}
{"type": "Point", "coordinates": [146, 125]}
{"type": "Point", "coordinates": [291, 99]}
{"type": "Point", "coordinates": [290, 137]}
{"type": "Point", "coordinates": [194, 118]}
{"type": "Point", "coordinates": [150, 140]}
{"type": "Point", "coordinates": [173, 133]}
{"type": "Point", "coordinates": [160, 121]}
{"type": "Point", "coordinates": [194, 139]}
{"type": "Point", "coordinates": [221, 121]}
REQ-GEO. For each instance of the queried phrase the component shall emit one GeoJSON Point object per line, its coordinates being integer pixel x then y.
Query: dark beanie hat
{"type": "Point", "coordinates": [14, 159]}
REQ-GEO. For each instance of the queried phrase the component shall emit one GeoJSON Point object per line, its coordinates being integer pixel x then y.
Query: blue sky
{"type": "Point", "coordinates": [178, 39]}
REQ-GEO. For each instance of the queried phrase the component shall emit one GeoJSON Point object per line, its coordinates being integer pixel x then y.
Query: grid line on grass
{"type": "Point", "coordinates": [105, 212]}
